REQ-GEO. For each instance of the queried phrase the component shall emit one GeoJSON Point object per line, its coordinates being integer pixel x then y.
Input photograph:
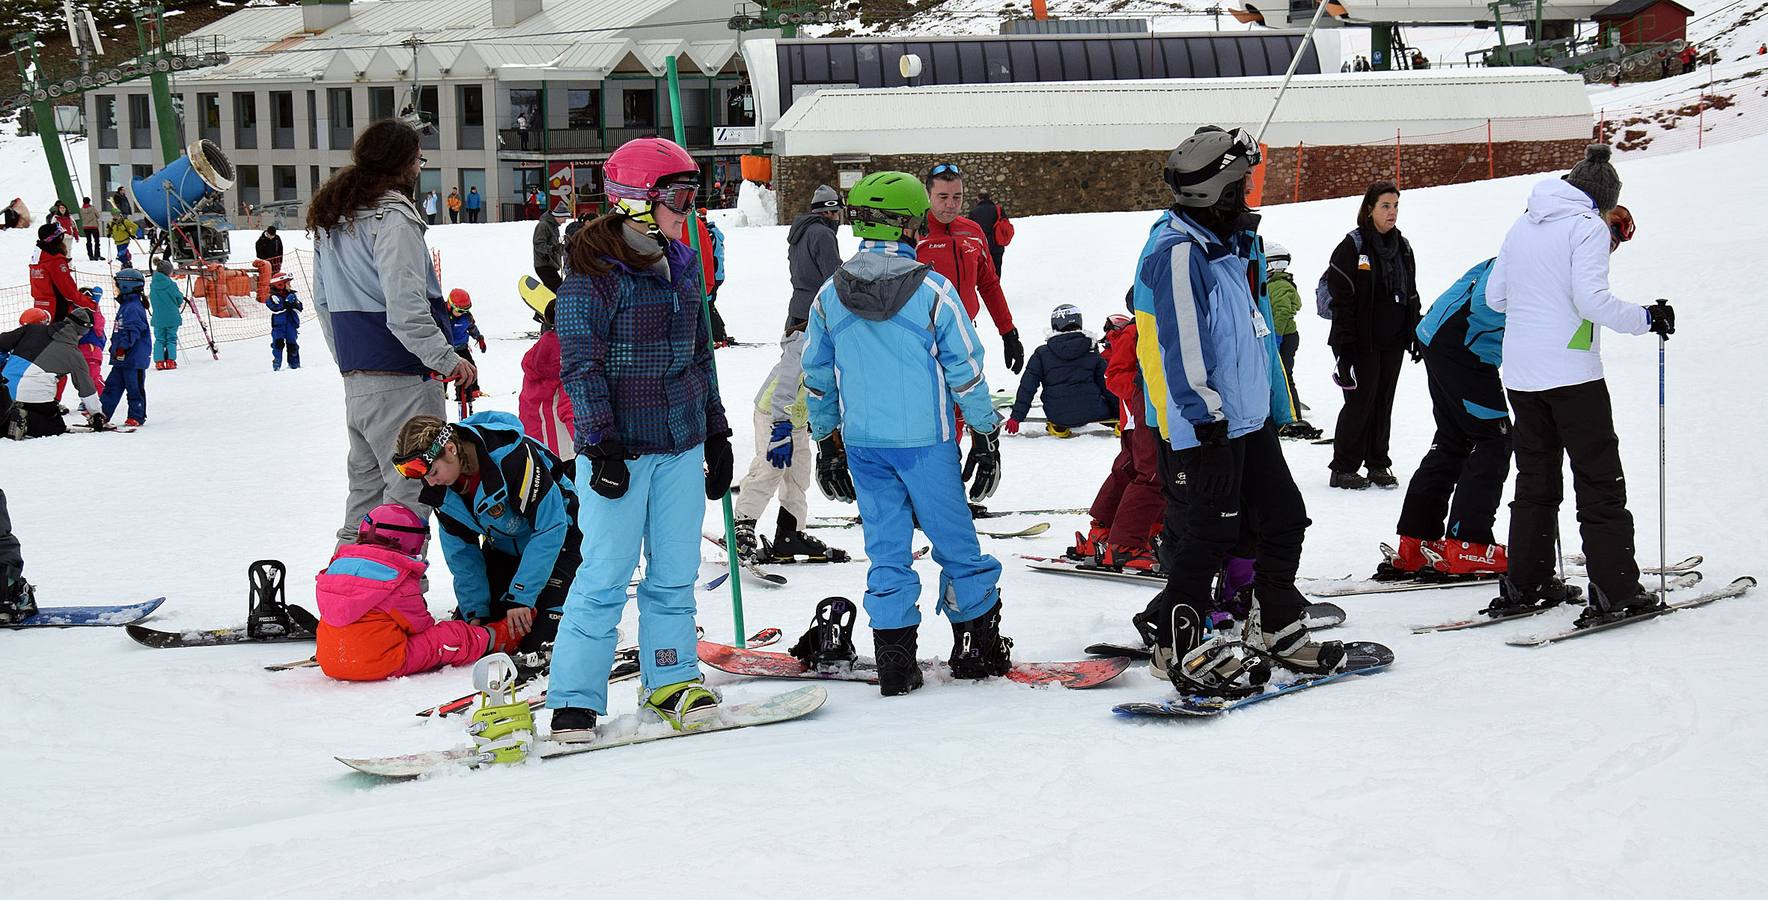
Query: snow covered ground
{"type": "Point", "coordinates": [1621, 766]}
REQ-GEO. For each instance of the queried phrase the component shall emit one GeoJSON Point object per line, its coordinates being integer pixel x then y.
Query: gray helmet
{"type": "Point", "coordinates": [1207, 162]}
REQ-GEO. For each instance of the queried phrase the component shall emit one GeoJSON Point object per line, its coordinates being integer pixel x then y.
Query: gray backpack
{"type": "Point", "coordinates": [1322, 294]}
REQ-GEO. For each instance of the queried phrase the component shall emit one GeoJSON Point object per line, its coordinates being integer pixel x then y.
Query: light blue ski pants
{"type": "Point", "coordinates": [896, 486]}
{"type": "Point", "coordinates": [662, 511]}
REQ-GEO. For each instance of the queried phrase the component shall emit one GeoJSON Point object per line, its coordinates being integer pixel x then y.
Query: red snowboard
{"type": "Point", "coordinates": [737, 661]}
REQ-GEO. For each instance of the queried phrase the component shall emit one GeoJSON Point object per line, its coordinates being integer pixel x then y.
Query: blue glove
{"type": "Point", "coordinates": [779, 445]}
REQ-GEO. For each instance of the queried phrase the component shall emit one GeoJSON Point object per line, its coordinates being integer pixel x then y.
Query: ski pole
{"type": "Point", "coordinates": [1294, 63]}
{"type": "Point", "coordinates": [1663, 540]}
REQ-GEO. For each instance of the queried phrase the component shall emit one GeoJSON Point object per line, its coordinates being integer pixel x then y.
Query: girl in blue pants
{"type": "Point", "coordinates": [651, 440]}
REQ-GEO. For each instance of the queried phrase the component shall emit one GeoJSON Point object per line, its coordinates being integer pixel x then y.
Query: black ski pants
{"type": "Point", "coordinates": [42, 419]}
{"type": "Point", "coordinates": [1202, 531]}
{"type": "Point", "coordinates": [1575, 421]}
{"type": "Point", "coordinates": [1366, 421]}
{"type": "Point", "coordinates": [1469, 456]}
{"type": "Point", "coordinates": [11, 559]}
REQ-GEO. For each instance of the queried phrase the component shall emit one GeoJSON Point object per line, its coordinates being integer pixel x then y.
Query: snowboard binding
{"type": "Point", "coordinates": [18, 600]}
{"type": "Point", "coordinates": [1214, 665]}
{"type": "Point", "coordinates": [502, 727]}
{"type": "Point", "coordinates": [268, 614]}
{"type": "Point", "coordinates": [829, 642]}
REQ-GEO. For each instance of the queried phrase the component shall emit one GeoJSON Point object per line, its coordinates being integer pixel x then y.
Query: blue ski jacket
{"type": "Point", "coordinates": [285, 316]}
{"type": "Point", "coordinates": [1460, 323]}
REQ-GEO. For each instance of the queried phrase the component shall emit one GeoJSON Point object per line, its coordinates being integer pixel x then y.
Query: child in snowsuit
{"type": "Point", "coordinates": [1285, 303]}
{"type": "Point", "coordinates": [1072, 374]}
{"type": "Point", "coordinates": [461, 329]}
{"type": "Point", "coordinates": [544, 407]}
{"type": "Point", "coordinates": [782, 463]}
{"type": "Point", "coordinates": [1126, 513]}
{"type": "Point", "coordinates": [889, 357]}
{"type": "Point", "coordinates": [93, 341]}
{"type": "Point", "coordinates": [373, 622]}
{"type": "Point", "coordinates": [168, 315]}
{"type": "Point", "coordinates": [131, 347]}
{"type": "Point", "coordinates": [285, 321]}
{"type": "Point", "coordinates": [122, 231]}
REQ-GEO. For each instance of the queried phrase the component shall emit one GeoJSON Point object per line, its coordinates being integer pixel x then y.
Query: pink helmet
{"type": "Point", "coordinates": [392, 525]}
{"type": "Point", "coordinates": [634, 170]}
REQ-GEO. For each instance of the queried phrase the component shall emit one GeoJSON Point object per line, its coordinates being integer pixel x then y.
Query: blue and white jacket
{"type": "Point", "coordinates": [376, 293]}
{"type": "Point", "coordinates": [889, 351]}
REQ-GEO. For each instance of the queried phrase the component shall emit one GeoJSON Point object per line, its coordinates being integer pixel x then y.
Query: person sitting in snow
{"type": "Point", "coordinates": [1071, 373]}
{"type": "Point", "coordinates": [285, 321]}
{"type": "Point", "coordinates": [39, 353]}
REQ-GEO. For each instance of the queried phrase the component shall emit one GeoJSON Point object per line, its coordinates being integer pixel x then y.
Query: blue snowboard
{"type": "Point", "coordinates": [70, 616]}
{"type": "Point", "coordinates": [1362, 658]}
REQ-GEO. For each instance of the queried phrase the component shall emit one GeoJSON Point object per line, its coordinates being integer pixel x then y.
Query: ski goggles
{"type": "Point", "coordinates": [1247, 145]}
{"type": "Point", "coordinates": [1620, 226]}
{"type": "Point", "coordinates": [866, 215]}
{"type": "Point", "coordinates": [417, 465]}
{"type": "Point", "coordinates": [944, 170]}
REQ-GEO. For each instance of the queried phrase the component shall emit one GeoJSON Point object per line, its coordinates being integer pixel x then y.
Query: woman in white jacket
{"type": "Point", "coordinates": [1551, 282]}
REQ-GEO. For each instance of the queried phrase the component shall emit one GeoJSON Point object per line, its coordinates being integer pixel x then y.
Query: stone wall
{"type": "Point", "coordinates": [1031, 184]}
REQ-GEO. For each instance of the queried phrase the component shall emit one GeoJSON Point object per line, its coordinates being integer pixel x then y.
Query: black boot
{"type": "Point", "coordinates": [18, 600]}
{"type": "Point", "coordinates": [1602, 611]}
{"type": "Point", "coordinates": [978, 650]}
{"type": "Point", "coordinates": [829, 642]}
{"type": "Point", "coordinates": [1349, 481]}
{"type": "Point", "coordinates": [788, 547]}
{"type": "Point", "coordinates": [1512, 600]}
{"type": "Point", "coordinates": [899, 672]}
{"type": "Point", "coordinates": [572, 725]}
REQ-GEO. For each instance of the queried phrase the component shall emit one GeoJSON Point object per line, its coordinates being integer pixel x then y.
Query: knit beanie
{"type": "Point", "coordinates": [824, 199]}
{"type": "Point", "coordinates": [164, 265]}
{"type": "Point", "coordinates": [1596, 177]}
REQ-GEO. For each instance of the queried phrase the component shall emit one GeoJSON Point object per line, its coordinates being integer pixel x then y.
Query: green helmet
{"type": "Point", "coordinates": [884, 205]}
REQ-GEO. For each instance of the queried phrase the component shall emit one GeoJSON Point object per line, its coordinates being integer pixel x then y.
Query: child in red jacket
{"type": "Point", "coordinates": [373, 622]}
{"type": "Point", "coordinates": [543, 407]}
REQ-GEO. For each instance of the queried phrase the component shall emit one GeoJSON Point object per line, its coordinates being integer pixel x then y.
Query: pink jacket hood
{"type": "Point", "coordinates": [364, 577]}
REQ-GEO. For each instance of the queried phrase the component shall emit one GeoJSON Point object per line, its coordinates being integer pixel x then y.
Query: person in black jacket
{"type": "Point", "coordinates": [1072, 374]}
{"type": "Point", "coordinates": [812, 254]}
{"type": "Point", "coordinates": [269, 248]}
{"type": "Point", "coordinates": [1374, 313]}
{"type": "Point", "coordinates": [987, 213]}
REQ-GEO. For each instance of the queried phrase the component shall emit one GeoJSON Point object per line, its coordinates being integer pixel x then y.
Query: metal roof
{"type": "Point", "coordinates": [1431, 106]}
{"type": "Point", "coordinates": [1627, 9]}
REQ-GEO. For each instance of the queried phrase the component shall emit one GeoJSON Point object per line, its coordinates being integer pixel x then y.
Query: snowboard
{"type": "Point", "coordinates": [1318, 617]}
{"type": "Point", "coordinates": [738, 661]}
{"type": "Point", "coordinates": [213, 637]}
{"type": "Point", "coordinates": [538, 296]}
{"type": "Point", "coordinates": [1480, 620]}
{"type": "Point", "coordinates": [1361, 658]}
{"type": "Point", "coordinates": [1736, 588]}
{"type": "Point", "coordinates": [622, 732]}
{"type": "Point", "coordinates": [749, 568]}
{"type": "Point", "coordinates": [79, 616]}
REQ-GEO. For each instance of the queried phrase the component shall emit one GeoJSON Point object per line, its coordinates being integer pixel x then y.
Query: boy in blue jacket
{"type": "Point", "coordinates": [131, 349]}
{"type": "Point", "coordinates": [1214, 386]}
{"type": "Point", "coordinates": [285, 321]}
{"type": "Point", "coordinates": [462, 327]}
{"type": "Point", "coordinates": [1071, 373]}
{"type": "Point", "coordinates": [888, 353]}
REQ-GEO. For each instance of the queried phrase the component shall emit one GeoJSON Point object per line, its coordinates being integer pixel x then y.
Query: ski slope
{"type": "Point", "coordinates": [1625, 766]}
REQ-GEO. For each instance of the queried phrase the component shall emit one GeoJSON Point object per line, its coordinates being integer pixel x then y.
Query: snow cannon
{"type": "Point", "coordinates": [173, 192]}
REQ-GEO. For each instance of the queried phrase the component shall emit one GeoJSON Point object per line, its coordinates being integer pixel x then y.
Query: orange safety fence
{"type": "Point", "coordinates": [1719, 112]}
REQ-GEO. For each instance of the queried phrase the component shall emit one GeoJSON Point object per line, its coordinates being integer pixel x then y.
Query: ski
{"type": "Point", "coordinates": [739, 661]}
{"type": "Point", "coordinates": [1028, 531]}
{"type": "Point", "coordinates": [1318, 617]}
{"type": "Point", "coordinates": [748, 566]}
{"type": "Point", "coordinates": [1736, 588]}
{"type": "Point", "coordinates": [87, 616]}
{"type": "Point", "coordinates": [87, 429]}
{"type": "Point", "coordinates": [311, 662]}
{"type": "Point", "coordinates": [1362, 658]}
{"type": "Point", "coordinates": [852, 521]}
{"type": "Point", "coordinates": [1351, 587]}
{"type": "Point", "coordinates": [621, 732]}
{"type": "Point", "coordinates": [1479, 620]}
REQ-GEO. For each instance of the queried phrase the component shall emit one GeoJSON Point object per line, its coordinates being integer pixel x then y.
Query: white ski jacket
{"type": "Point", "coordinates": [1551, 282]}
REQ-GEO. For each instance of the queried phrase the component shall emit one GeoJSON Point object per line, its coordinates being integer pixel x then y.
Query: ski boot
{"type": "Point", "coordinates": [1349, 481]}
{"type": "Point", "coordinates": [1129, 559]}
{"type": "Point", "coordinates": [268, 615]}
{"type": "Point", "coordinates": [18, 599]}
{"type": "Point", "coordinates": [787, 547]}
{"type": "Point", "coordinates": [572, 725]}
{"type": "Point", "coordinates": [684, 705]}
{"type": "Point", "coordinates": [1292, 646]}
{"type": "Point", "coordinates": [828, 645]}
{"type": "Point", "coordinates": [978, 649]}
{"type": "Point", "coordinates": [1411, 557]}
{"type": "Point", "coordinates": [503, 726]}
{"type": "Point", "coordinates": [1147, 624]}
{"type": "Point", "coordinates": [1512, 600]}
{"type": "Point", "coordinates": [747, 546]}
{"type": "Point", "coordinates": [899, 671]}
{"type": "Point", "coordinates": [1088, 546]}
{"type": "Point", "coordinates": [1602, 611]}
{"type": "Point", "coordinates": [1464, 558]}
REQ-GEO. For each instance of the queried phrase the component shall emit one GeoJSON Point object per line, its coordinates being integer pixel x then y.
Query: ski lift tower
{"type": "Point", "coordinates": [154, 60]}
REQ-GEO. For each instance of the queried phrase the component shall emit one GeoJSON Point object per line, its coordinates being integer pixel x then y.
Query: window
{"type": "Point", "coordinates": [106, 117]}
{"type": "Point", "coordinates": [342, 120]}
{"type": "Point", "coordinates": [638, 108]}
{"type": "Point", "coordinates": [140, 171]}
{"type": "Point", "coordinates": [589, 186]}
{"type": "Point", "coordinates": [1203, 61]}
{"type": "Point", "coordinates": [996, 61]}
{"type": "Point", "coordinates": [943, 65]}
{"type": "Point", "coordinates": [282, 120]}
{"type": "Point", "coordinates": [140, 122]}
{"type": "Point", "coordinates": [469, 179]}
{"type": "Point", "coordinates": [1227, 52]}
{"type": "Point", "coordinates": [107, 178]}
{"type": "Point", "coordinates": [282, 182]}
{"type": "Point", "coordinates": [585, 108]}
{"type": "Point", "coordinates": [971, 69]}
{"type": "Point", "coordinates": [245, 121]}
{"type": "Point", "coordinates": [313, 120]}
{"type": "Point", "coordinates": [1074, 61]}
{"type": "Point", "coordinates": [1022, 56]}
{"type": "Point", "coordinates": [246, 185]}
{"type": "Point", "coordinates": [380, 103]}
{"type": "Point", "coordinates": [1175, 58]}
{"type": "Point", "coordinates": [429, 107]}
{"type": "Point", "coordinates": [1049, 60]}
{"type": "Point", "coordinates": [313, 177]}
{"type": "Point", "coordinates": [1126, 58]}
{"type": "Point", "coordinates": [1099, 59]}
{"type": "Point", "coordinates": [469, 106]}
{"type": "Point", "coordinates": [842, 64]}
{"type": "Point", "coordinates": [208, 117]}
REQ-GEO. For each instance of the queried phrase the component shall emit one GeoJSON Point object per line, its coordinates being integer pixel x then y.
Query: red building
{"type": "Point", "coordinates": [1645, 21]}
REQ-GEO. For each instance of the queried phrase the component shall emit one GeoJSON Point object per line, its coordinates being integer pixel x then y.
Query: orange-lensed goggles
{"type": "Point", "coordinates": [417, 465]}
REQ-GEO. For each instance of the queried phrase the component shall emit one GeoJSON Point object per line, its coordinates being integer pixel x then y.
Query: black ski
{"type": "Point", "coordinates": [1480, 620]}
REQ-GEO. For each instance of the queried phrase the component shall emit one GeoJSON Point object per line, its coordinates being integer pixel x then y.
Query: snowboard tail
{"type": "Point", "coordinates": [1361, 658]}
{"type": "Point", "coordinates": [88, 616]}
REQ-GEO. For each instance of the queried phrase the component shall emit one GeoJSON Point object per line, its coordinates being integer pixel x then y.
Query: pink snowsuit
{"type": "Point", "coordinates": [544, 408]}
{"type": "Point", "coordinates": [373, 623]}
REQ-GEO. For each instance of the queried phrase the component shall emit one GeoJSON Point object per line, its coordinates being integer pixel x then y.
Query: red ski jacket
{"type": "Point", "coordinates": [52, 285]}
{"type": "Point", "coordinates": [1123, 375]}
{"type": "Point", "coordinates": [960, 253]}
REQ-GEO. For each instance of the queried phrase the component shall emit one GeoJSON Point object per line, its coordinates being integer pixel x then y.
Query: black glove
{"type": "Point", "coordinates": [97, 422]}
{"type": "Point", "coordinates": [985, 463]}
{"type": "Point", "coordinates": [1013, 351]}
{"type": "Point", "coordinates": [831, 469]}
{"type": "Point", "coordinates": [1209, 467]}
{"type": "Point", "coordinates": [1416, 350]}
{"type": "Point", "coordinates": [718, 466]}
{"type": "Point", "coordinates": [1346, 375]}
{"type": "Point", "coordinates": [1663, 318]}
{"type": "Point", "coordinates": [607, 469]}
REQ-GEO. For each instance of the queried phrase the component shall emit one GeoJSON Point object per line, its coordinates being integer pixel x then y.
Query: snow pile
{"type": "Point", "coordinates": [757, 205]}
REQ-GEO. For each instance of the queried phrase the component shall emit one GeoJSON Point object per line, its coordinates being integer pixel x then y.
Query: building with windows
{"type": "Point", "coordinates": [518, 91]}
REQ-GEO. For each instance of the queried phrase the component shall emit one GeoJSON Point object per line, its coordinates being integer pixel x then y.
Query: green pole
{"type": "Point", "coordinates": [693, 236]}
{"type": "Point", "coordinates": [58, 163]}
{"type": "Point", "coordinates": [171, 136]}
{"type": "Point", "coordinates": [1381, 40]}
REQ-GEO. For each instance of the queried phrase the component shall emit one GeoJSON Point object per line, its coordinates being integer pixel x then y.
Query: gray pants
{"type": "Point", "coordinates": [375, 408]}
{"type": "Point", "coordinates": [764, 481]}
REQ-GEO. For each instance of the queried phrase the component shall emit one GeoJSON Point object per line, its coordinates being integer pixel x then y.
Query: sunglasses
{"type": "Point", "coordinates": [417, 465]}
{"type": "Point", "coordinates": [945, 169]}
